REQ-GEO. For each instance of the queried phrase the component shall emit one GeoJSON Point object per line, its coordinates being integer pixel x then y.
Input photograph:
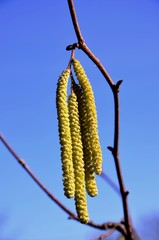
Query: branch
{"type": "Point", "coordinates": [110, 225]}
{"type": "Point", "coordinates": [105, 226]}
{"type": "Point", "coordinates": [81, 44]}
{"type": "Point", "coordinates": [32, 175]}
{"type": "Point", "coordinates": [107, 234]}
{"type": "Point", "coordinates": [110, 182]}
{"type": "Point", "coordinates": [75, 22]}
{"type": "Point", "coordinates": [115, 90]}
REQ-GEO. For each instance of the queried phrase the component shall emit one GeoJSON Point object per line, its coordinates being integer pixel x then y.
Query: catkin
{"type": "Point", "coordinates": [77, 155]}
{"type": "Point", "coordinates": [90, 182]}
{"type": "Point", "coordinates": [65, 134]}
{"type": "Point", "coordinates": [91, 114]}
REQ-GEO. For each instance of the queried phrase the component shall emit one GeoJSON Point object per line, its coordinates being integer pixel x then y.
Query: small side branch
{"type": "Point", "coordinates": [111, 183]}
{"type": "Point", "coordinates": [105, 226]}
{"type": "Point", "coordinates": [107, 234]}
{"type": "Point", "coordinates": [32, 175]}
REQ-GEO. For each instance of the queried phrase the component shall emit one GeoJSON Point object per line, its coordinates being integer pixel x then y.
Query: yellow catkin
{"type": "Point", "coordinates": [65, 134]}
{"type": "Point", "coordinates": [91, 186]}
{"type": "Point", "coordinates": [77, 155]}
{"type": "Point", "coordinates": [91, 114]}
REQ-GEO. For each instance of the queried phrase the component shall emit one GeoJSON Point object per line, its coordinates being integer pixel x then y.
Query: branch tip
{"type": "Point", "coordinates": [118, 85]}
{"type": "Point", "coordinates": [126, 193]}
{"type": "Point", "coordinates": [110, 149]}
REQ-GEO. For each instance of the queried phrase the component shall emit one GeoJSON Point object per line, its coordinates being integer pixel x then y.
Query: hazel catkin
{"type": "Point", "coordinates": [65, 134]}
{"type": "Point", "coordinates": [78, 163]}
{"type": "Point", "coordinates": [91, 114]}
{"type": "Point", "coordinates": [90, 182]}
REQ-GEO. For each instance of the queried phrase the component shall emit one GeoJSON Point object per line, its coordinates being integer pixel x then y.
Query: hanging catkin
{"type": "Point", "coordinates": [91, 114]}
{"type": "Point", "coordinates": [64, 134]}
{"type": "Point", "coordinates": [77, 155]}
{"type": "Point", "coordinates": [90, 182]}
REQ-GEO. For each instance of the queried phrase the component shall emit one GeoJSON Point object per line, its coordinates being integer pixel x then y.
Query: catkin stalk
{"type": "Point", "coordinates": [65, 134]}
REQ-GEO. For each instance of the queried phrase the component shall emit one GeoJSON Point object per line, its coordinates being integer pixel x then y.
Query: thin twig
{"type": "Point", "coordinates": [32, 175]}
{"type": "Point", "coordinates": [104, 226]}
{"type": "Point", "coordinates": [107, 234]}
{"type": "Point", "coordinates": [110, 182]}
{"type": "Point", "coordinates": [75, 22]}
{"type": "Point", "coordinates": [72, 55]}
{"type": "Point", "coordinates": [115, 90]}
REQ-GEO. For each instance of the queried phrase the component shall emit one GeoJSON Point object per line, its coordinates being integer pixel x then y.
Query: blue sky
{"type": "Point", "coordinates": [124, 35]}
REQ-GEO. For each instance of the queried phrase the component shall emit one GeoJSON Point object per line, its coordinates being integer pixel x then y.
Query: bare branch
{"type": "Point", "coordinates": [107, 234]}
{"type": "Point", "coordinates": [115, 91]}
{"type": "Point", "coordinates": [104, 226]}
{"type": "Point", "coordinates": [110, 182]}
{"type": "Point", "coordinates": [84, 47]}
{"type": "Point", "coordinates": [32, 175]}
{"type": "Point", "coordinates": [75, 22]}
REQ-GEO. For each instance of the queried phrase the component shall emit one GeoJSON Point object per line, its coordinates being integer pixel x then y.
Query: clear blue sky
{"type": "Point", "coordinates": [124, 35]}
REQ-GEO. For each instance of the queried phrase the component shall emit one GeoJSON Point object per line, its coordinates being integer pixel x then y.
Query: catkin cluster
{"type": "Point", "coordinates": [81, 155]}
